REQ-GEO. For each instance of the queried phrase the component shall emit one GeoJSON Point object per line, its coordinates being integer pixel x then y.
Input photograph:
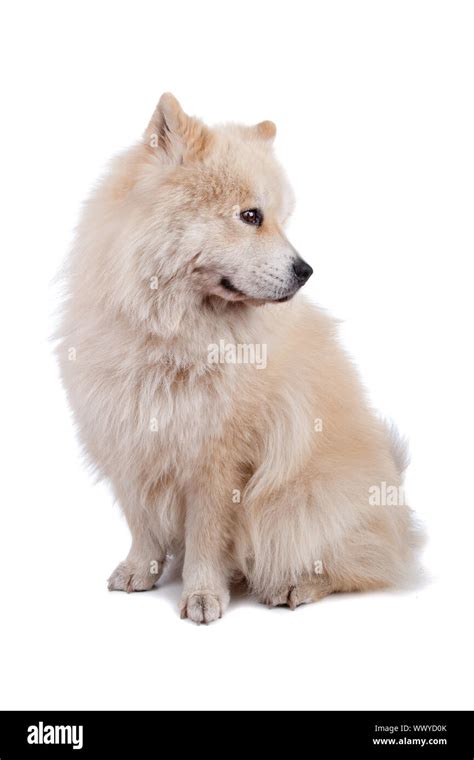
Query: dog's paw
{"type": "Point", "coordinates": [301, 593]}
{"type": "Point", "coordinates": [204, 606]}
{"type": "Point", "coordinates": [135, 576]}
{"type": "Point", "coordinates": [286, 597]}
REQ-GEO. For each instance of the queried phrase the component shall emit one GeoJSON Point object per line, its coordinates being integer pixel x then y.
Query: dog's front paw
{"type": "Point", "coordinates": [135, 576]}
{"type": "Point", "coordinates": [204, 606]}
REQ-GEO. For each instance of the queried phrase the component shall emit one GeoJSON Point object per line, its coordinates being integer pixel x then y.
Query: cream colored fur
{"type": "Point", "coordinates": [260, 472]}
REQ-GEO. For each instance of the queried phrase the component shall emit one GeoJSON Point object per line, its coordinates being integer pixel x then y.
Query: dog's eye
{"type": "Point", "coordinates": [252, 216]}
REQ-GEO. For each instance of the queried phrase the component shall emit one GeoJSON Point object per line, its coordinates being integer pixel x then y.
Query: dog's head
{"type": "Point", "coordinates": [191, 217]}
{"type": "Point", "coordinates": [217, 201]}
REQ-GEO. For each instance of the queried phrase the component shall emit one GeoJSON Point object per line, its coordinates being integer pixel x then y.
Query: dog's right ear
{"type": "Point", "coordinates": [173, 135]}
{"type": "Point", "coordinates": [266, 130]}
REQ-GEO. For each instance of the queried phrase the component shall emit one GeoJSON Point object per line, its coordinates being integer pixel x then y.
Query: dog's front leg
{"type": "Point", "coordinates": [206, 560]}
{"type": "Point", "coordinates": [145, 561]}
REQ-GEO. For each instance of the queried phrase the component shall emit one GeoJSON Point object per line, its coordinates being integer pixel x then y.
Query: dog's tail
{"type": "Point", "coordinates": [398, 447]}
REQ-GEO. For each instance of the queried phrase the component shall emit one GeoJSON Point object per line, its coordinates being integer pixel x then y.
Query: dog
{"type": "Point", "coordinates": [275, 472]}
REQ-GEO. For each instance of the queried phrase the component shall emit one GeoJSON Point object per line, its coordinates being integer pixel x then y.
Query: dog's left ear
{"type": "Point", "coordinates": [174, 135]}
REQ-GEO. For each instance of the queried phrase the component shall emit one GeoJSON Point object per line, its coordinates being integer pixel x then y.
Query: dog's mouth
{"type": "Point", "coordinates": [227, 290]}
{"type": "Point", "coordinates": [227, 285]}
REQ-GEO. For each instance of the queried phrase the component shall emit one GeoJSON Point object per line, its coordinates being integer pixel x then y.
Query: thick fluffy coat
{"type": "Point", "coordinates": [261, 470]}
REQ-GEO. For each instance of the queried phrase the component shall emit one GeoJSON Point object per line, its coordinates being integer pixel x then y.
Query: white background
{"type": "Point", "coordinates": [374, 107]}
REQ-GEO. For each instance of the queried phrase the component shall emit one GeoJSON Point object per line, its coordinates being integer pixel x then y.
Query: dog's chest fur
{"type": "Point", "coordinates": [140, 410]}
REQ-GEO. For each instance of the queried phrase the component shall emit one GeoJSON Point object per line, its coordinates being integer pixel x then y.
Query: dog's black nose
{"type": "Point", "coordinates": [302, 270]}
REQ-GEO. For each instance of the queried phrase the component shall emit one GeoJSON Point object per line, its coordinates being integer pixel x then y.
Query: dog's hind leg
{"type": "Point", "coordinates": [305, 590]}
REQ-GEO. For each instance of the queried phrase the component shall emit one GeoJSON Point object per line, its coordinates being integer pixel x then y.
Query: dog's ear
{"type": "Point", "coordinates": [173, 134]}
{"type": "Point", "coordinates": [265, 130]}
